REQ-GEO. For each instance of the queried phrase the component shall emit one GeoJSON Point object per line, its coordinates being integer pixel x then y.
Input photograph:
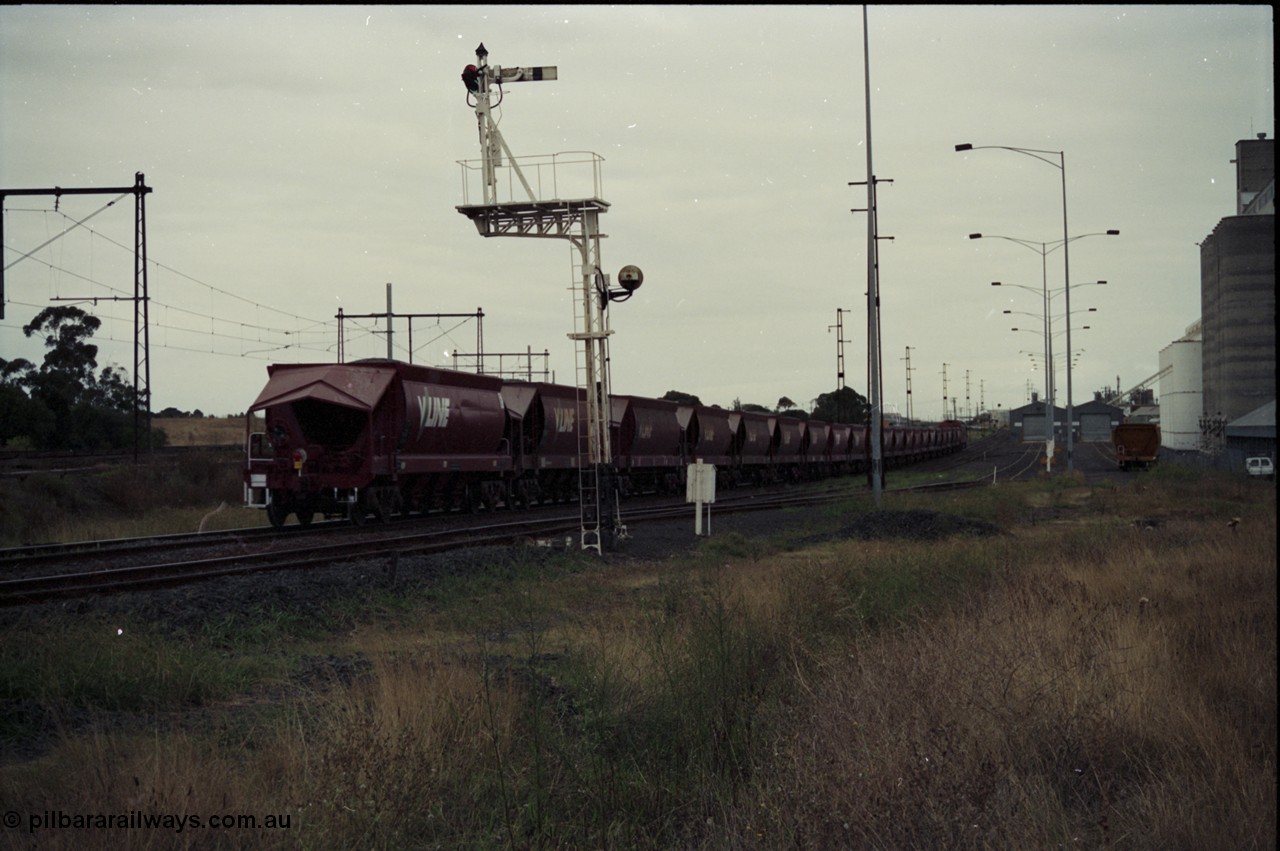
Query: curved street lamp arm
{"type": "Point", "coordinates": [1043, 248]}
{"type": "Point", "coordinates": [1031, 152]}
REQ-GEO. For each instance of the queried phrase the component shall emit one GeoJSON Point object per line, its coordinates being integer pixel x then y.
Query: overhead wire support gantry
{"type": "Point", "coordinates": [141, 325]}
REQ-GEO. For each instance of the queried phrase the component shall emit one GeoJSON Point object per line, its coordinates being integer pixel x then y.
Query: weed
{"type": "Point", "coordinates": [96, 665]}
{"type": "Point", "coordinates": [1081, 682]}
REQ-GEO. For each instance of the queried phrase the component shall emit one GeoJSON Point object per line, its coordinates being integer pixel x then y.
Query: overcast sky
{"type": "Point", "coordinates": [303, 157]}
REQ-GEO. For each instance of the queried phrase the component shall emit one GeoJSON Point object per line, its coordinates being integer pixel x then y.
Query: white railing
{"type": "Point", "coordinates": [568, 175]}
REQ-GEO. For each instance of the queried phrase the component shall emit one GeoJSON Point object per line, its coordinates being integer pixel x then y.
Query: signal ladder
{"type": "Point", "coordinates": [599, 509]}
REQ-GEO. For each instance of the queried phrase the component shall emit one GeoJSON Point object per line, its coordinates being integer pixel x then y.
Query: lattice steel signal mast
{"type": "Point", "coordinates": [562, 202]}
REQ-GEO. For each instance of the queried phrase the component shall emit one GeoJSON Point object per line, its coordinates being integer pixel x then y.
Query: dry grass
{"type": "Point", "coordinates": [202, 431]}
{"type": "Point", "coordinates": [193, 492]}
{"type": "Point", "coordinates": [1085, 683]}
{"type": "Point", "coordinates": [1054, 709]}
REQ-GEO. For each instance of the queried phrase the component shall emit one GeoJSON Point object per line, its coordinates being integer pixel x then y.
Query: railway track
{"type": "Point", "coordinates": [94, 568]}
{"type": "Point", "coordinates": [270, 550]}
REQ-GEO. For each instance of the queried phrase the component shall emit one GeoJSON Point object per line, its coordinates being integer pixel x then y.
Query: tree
{"type": "Point", "coordinates": [785, 404]}
{"type": "Point", "coordinates": [67, 405]}
{"type": "Point", "coordinates": [24, 422]}
{"type": "Point", "coordinates": [66, 329]}
{"type": "Point", "coordinates": [845, 405]}
{"type": "Point", "coordinates": [682, 398]}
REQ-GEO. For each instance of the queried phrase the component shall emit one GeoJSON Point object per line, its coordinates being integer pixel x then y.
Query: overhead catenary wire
{"type": "Point", "coordinates": [308, 323]}
{"type": "Point", "coordinates": [252, 335]}
{"type": "Point", "coordinates": [195, 280]}
{"type": "Point", "coordinates": [75, 224]}
{"type": "Point", "coordinates": [177, 308]}
{"type": "Point", "coordinates": [297, 346]}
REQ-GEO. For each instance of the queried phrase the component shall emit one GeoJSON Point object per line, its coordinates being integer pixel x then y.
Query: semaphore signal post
{"type": "Point", "coordinates": [556, 196]}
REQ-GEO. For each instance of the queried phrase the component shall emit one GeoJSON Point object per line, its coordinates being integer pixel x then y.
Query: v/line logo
{"type": "Point", "coordinates": [433, 412]}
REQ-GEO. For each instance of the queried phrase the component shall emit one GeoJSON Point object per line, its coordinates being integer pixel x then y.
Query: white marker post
{"type": "Point", "coordinates": [700, 489]}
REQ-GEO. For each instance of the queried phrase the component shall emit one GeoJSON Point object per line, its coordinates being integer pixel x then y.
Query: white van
{"type": "Point", "coordinates": [1260, 467]}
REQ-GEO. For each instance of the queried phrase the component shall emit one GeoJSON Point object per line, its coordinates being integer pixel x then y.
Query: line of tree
{"type": "Point", "coordinates": [844, 405]}
{"type": "Point", "coordinates": [65, 402]}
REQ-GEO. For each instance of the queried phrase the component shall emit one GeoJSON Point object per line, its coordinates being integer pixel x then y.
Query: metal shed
{"type": "Point", "coordinates": [1095, 420]}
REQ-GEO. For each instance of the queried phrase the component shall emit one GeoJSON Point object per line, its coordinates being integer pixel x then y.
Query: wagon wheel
{"type": "Point", "coordinates": [384, 505]}
{"type": "Point", "coordinates": [277, 514]}
{"type": "Point", "coordinates": [395, 504]}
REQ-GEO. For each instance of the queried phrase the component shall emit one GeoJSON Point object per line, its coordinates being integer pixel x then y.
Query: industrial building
{"type": "Point", "coordinates": [1251, 435]}
{"type": "Point", "coordinates": [1028, 421]}
{"type": "Point", "coordinates": [1182, 391]}
{"type": "Point", "coordinates": [1095, 420]}
{"type": "Point", "coordinates": [1237, 292]}
{"type": "Point", "coordinates": [1218, 381]}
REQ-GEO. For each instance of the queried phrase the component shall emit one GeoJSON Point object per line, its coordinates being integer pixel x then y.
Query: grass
{"type": "Point", "coordinates": [199, 491]}
{"type": "Point", "coordinates": [1080, 680]}
{"type": "Point", "coordinates": [204, 431]}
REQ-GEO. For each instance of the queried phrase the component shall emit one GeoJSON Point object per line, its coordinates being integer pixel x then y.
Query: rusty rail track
{"type": "Point", "coordinates": [308, 554]}
{"type": "Point", "coordinates": [297, 549]}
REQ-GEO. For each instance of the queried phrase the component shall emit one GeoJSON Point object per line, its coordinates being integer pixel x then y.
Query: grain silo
{"type": "Point", "coordinates": [1237, 292]}
{"type": "Point", "coordinates": [1181, 396]}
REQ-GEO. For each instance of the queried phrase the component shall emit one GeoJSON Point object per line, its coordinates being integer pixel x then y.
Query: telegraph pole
{"type": "Point", "coordinates": [944, 390]}
{"type": "Point", "coordinates": [910, 410]}
{"type": "Point", "coordinates": [390, 317]}
{"type": "Point", "coordinates": [840, 341]}
{"type": "Point", "coordinates": [875, 375]}
{"type": "Point", "coordinates": [968, 408]}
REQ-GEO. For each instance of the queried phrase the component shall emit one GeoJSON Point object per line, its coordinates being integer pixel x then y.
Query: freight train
{"type": "Point", "coordinates": [377, 438]}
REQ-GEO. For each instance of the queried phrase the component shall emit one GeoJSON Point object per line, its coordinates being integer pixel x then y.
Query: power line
{"type": "Point", "coordinates": [165, 345]}
{"type": "Point", "coordinates": [178, 308]}
{"type": "Point", "coordinates": [155, 263]}
{"type": "Point", "coordinates": [294, 338]}
{"type": "Point", "coordinates": [74, 225]}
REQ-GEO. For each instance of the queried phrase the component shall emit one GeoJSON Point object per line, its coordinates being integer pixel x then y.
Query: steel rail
{"type": "Point", "coordinates": [31, 590]}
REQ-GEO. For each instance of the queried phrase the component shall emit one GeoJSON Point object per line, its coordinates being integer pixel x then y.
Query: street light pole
{"type": "Point", "coordinates": [1066, 282]}
{"type": "Point", "coordinates": [1061, 165]}
{"type": "Point", "coordinates": [1048, 370]}
{"type": "Point", "coordinates": [1044, 249]}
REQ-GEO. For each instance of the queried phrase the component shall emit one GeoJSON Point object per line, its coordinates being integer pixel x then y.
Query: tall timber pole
{"type": "Point", "coordinates": [873, 293]}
